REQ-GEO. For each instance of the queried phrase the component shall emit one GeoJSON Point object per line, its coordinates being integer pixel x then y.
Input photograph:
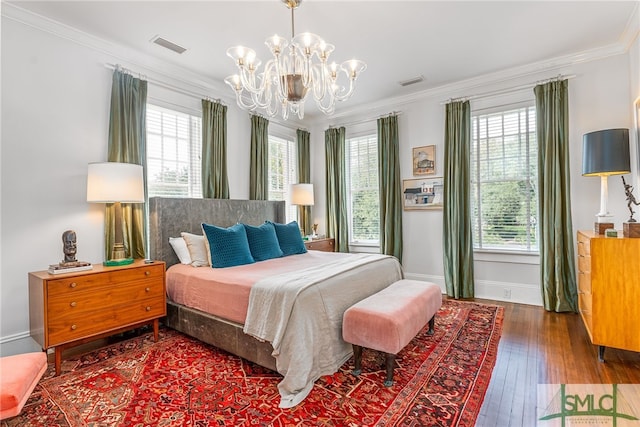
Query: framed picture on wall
{"type": "Point", "coordinates": [422, 193]}
{"type": "Point", "coordinates": [424, 160]}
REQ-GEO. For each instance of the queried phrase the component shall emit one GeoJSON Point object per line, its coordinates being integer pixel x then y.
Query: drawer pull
{"type": "Point", "coordinates": [73, 327]}
{"type": "Point", "coordinates": [147, 273]}
{"type": "Point", "coordinates": [73, 304]}
{"type": "Point", "coordinates": [73, 284]}
{"type": "Point", "coordinates": [147, 289]}
{"type": "Point", "coordinates": [148, 308]}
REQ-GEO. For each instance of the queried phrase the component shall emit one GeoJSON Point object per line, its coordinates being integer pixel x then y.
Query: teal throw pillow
{"type": "Point", "coordinates": [263, 241]}
{"type": "Point", "coordinates": [289, 238]}
{"type": "Point", "coordinates": [228, 246]}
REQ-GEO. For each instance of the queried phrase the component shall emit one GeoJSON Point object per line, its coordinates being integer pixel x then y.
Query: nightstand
{"type": "Point", "coordinates": [70, 309]}
{"type": "Point", "coordinates": [325, 245]}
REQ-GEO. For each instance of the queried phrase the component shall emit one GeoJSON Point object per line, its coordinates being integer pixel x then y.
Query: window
{"type": "Point", "coordinates": [283, 171]}
{"type": "Point", "coordinates": [504, 180]}
{"type": "Point", "coordinates": [362, 189]}
{"type": "Point", "coordinates": [174, 142]}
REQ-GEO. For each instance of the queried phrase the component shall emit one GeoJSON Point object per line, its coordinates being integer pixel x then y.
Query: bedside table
{"type": "Point", "coordinates": [326, 245]}
{"type": "Point", "coordinates": [70, 309]}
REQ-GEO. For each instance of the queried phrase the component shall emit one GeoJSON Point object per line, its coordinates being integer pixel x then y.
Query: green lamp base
{"type": "Point", "coordinates": [116, 262]}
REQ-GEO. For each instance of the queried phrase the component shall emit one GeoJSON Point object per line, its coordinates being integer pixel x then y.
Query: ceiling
{"type": "Point", "coordinates": [443, 41]}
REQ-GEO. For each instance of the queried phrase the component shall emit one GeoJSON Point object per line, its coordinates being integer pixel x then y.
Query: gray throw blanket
{"type": "Point", "coordinates": [300, 314]}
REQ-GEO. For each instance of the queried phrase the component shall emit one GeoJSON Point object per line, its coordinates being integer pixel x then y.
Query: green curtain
{"type": "Point", "coordinates": [336, 178]}
{"type": "Point", "coordinates": [457, 243]}
{"type": "Point", "coordinates": [557, 269]}
{"type": "Point", "coordinates": [127, 144]}
{"type": "Point", "coordinates": [259, 160]}
{"type": "Point", "coordinates": [215, 184]}
{"type": "Point", "coordinates": [304, 176]}
{"type": "Point", "coordinates": [390, 187]}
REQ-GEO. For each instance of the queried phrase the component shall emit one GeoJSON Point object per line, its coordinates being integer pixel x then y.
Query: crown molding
{"type": "Point", "coordinates": [462, 88]}
{"type": "Point", "coordinates": [632, 29]}
{"type": "Point", "coordinates": [132, 59]}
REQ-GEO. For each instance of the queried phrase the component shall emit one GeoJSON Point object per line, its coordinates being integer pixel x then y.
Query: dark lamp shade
{"type": "Point", "coordinates": [606, 152]}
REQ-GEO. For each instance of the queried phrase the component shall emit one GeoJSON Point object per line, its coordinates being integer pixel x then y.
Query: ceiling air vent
{"type": "Point", "coordinates": [411, 81]}
{"type": "Point", "coordinates": [168, 45]}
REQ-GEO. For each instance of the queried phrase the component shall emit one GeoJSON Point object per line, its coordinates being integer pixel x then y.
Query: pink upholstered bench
{"type": "Point", "coordinates": [389, 319]}
{"type": "Point", "coordinates": [19, 375]}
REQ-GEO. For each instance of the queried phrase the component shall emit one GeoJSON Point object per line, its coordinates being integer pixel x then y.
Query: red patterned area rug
{"type": "Point", "coordinates": [440, 380]}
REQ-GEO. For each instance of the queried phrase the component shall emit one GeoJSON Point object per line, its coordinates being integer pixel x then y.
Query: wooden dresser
{"type": "Point", "coordinates": [609, 290]}
{"type": "Point", "coordinates": [70, 309]}
{"type": "Point", "coordinates": [325, 244]}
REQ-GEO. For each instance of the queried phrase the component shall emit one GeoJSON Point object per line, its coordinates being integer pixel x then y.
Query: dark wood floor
{"type": "Point", "coordinates": [540, 347]}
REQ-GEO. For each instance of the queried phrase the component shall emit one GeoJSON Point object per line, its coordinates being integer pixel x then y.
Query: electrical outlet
{"type": "Point", "coordinates": [507, 294]}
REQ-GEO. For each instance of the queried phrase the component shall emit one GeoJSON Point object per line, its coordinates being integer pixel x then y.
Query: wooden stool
{"type": "Point", "coordinates": [389, 319]}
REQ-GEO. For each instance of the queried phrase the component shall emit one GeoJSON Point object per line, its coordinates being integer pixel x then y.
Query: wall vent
{"type": "Point", "coordinates": [411, 81]}
{"type": "Point", "coordinates": [168, 45]}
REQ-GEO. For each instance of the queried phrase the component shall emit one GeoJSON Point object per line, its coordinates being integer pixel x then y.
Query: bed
{"type": "Point", "coordinates": [298, 336]}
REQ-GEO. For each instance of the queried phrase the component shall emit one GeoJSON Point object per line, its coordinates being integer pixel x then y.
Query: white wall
{"type": "Point", "coordinates": [55, 101]}
{"type": "Point", "coordinates": [55, 112]}
{"type": "Point", "coordinates": [598, 99]}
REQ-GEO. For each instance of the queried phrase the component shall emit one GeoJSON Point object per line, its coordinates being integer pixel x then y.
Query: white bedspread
{"type": "Point", "coordinates": [300, 314]}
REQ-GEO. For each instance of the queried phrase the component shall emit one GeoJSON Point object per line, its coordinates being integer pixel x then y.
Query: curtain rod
{"type": "Point", "coordinates": [163, 84]}
{"type": "Point", "coordinates": [507, 90]}
{"type": "Point", "coordinates": [366, 120]}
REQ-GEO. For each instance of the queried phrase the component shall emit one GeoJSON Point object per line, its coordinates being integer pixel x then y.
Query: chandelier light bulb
{"type": "Point", "coordinates": [286, 79]}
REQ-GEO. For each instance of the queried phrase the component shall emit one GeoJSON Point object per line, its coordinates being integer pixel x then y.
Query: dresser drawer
{"type": "Point", "coordinates": [585, 302]}
{"type": "Point", "coordinates": [72, 284]}
{"type": "Point", "coordinates": [326, 245]}
{"type": "Point", "coordinates": [63, 329]}
{"type": "Point", "coordinates": [584, 245]}
{"type": "Point", "coordinates": [584, 282]}
{"type": "Point", "coordinates": [77, 302]}
{"type": "Point", "coordinates": [584, 264]}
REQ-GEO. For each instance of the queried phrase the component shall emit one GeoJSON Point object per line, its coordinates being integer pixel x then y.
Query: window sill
{"type": "Point", "coordinates": [365, 245]}
{"type": "Point", "coordinates": [508, 257]}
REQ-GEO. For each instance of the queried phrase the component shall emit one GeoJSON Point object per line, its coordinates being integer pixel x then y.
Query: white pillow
{"type": "Point", "coordinates": [197, 249]}
{"type": "Point", "coordinates": [180, 248]}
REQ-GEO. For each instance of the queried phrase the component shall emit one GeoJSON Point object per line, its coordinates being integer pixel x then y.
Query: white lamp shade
{"type": "Point", "coordinates": [111, 182]}
{"type": "Point", "coordinates": [302, 194]}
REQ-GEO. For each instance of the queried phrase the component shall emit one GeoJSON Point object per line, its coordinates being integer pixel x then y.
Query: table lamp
{"type": "Point", "coordinates": [604, 153]}
{"type": "Point", "coordinates": [302, 195]}
{"type": "Point", "coordinates": [112, 182]}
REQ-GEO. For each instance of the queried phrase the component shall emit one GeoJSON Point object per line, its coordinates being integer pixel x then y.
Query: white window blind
{"type": "Point", "coordinates": [283, 171]}
{"type": "Point", "coordinates": [362, 189]}
{"type": "Point", "coordinates": [174, 147]}
{"type": "Point", "coordinates": [504, 172]}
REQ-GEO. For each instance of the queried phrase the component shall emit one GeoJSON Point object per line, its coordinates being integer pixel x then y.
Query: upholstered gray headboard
{"type": "Point", "coordinates": [170, 216]}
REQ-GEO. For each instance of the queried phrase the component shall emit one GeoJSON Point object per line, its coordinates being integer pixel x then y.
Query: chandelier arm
{"type": "Point", "coordinates": [280, 87]}
{"type": "Point", "coordinates": [241, 104]}
{"type": "Point", "coordinates": [349, 92]}
{"type": "Point", "coordinates": [248, 80]}
{"type": "Point", "coordinates": [320, 83]}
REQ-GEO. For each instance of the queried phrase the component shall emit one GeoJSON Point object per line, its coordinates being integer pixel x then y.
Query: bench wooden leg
{"type": "Point", "coordinates": [391, 363]}
{"type": "Point", "coordinates": [432, 324]}
{"type": "Point", "coordinates": [357, 359]}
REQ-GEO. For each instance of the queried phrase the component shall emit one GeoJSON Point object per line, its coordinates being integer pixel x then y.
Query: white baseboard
{"type": "Point", "coordinates": [18, 344]}
{"type": "Point", "coordinates": [520, 293]}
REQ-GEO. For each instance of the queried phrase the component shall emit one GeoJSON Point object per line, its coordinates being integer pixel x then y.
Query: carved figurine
{"type": "Point", "coordinates": [628, 190]}
{"type": "Point", "coordinates": [69, 247]}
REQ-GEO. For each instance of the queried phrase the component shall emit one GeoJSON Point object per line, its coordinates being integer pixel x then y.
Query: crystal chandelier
{"type": "Point", "coordinates": [296, 69]}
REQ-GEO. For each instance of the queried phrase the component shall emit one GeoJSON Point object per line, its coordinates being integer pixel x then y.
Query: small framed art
{"type": "Point", "coordinates": [422, 193]}
{"type": "Point", "coordinates": [424, 160]}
